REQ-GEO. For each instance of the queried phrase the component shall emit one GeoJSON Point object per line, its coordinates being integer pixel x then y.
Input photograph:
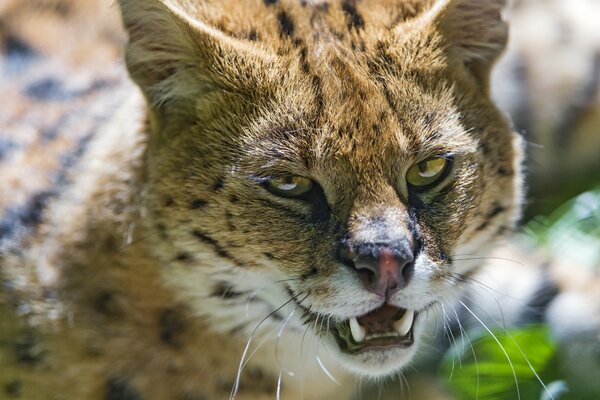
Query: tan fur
{"type": "Point", "coordinates": [161, 254]}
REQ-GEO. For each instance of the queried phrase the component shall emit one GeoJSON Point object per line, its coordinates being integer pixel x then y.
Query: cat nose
{"type": "Point", "coordinates": [383, 268]}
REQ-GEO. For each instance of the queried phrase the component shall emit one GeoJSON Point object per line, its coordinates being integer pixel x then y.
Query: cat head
{"type": "Point", "coordinates": [340, 160]}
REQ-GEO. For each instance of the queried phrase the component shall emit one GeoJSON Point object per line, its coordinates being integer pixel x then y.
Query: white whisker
{"type": "Point", "coordinates": [329, 375]}
{"type": "Point", "coordinates": [499, 344]}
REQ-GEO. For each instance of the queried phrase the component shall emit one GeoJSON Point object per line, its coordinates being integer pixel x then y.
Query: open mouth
{"type": "Point", "coordinates": [381, 329]}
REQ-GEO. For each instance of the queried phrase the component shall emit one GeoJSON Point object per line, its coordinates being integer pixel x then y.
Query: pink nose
{"type": "Point", "coordinates": [384, 269]}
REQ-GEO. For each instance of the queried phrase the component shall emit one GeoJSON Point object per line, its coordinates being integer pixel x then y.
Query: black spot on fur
{"type": "Point", "coordinates": [171, 326]}
{"type": "Point", "coordinates": [313, 271]}
{"type": "Point", "coordinates": [198, 203]}
{"type": "Point", "coordinates": [105, 303]}
{"type": "Point", "coordinates": [270, 2]}
{"type": "Point", "coordinates": [46, 89]}
{"type": "Point", "coordinates": [168, 202]}
{"type": "Point", "coordinates": [18, 55]}
{"type": "Point", "coordinates": [28, 215]}
{"type": "Point", "coordinates": [15, 47]}
{"type": "Point", "coordinates": [14, 388]}
{"type": "Point", "coordinates": [233, 199]}
{"type": "Point", "coordinates": [162, 231]}
{"type": "Point", "coordinates": [324, 7]}
{"type": "Point", "coordinates": [252, 35]}
{"type": "Point", "coordinates": [270, 256]}
{"type": "Point", "coordinates": [27, 349]}
{"type": "Point", "coordinates": [118, 388]}
{"type": "Point", "coordinates": [286, 25]}
{"type": "Point", "coordinates": [229, 220]}
{"type": "Point", "coordinates": [354, 18]}
{"type": "Point", "coordinates": [184, 257]}
{"type": "Point", "coordinates": [218, 185]}
{"type": "Point", "coordinates": [224, 290]}
{"type": "Point", "coordinates": [505, 172]}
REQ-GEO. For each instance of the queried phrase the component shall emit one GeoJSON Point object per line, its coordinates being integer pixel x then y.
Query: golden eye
{"type": "Point", "coordinates": [427, 172]}
{"type": "Point", "coordinates": [290, 186]}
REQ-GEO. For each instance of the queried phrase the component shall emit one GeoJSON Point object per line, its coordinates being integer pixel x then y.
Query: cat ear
{"type": "Point", "coordinates": [474, 31]}
{"type": "Point", "coordinates": [173, 56]}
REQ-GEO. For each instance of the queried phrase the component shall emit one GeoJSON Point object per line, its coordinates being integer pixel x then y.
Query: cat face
{"type": "Point", "coordinates": [332, 180]}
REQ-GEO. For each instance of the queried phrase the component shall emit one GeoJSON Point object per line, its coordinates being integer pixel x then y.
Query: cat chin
{"type": "Point", "coordinates": [376, 364]}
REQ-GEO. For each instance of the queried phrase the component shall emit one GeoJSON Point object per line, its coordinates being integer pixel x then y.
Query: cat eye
{"type": "Point", "coordinates": [427, 173]}
{"type": "Point", "coordinates": [290, 186]}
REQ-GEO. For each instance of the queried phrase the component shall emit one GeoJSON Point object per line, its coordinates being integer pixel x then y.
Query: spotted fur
{"type": "Point", "coordinates": [139, 250]}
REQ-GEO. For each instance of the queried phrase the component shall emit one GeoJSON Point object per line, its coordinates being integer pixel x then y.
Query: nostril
{"type": "Point", "coordinates": [367, 275]}
{"type": "Point", "coordinates": [407, 272]}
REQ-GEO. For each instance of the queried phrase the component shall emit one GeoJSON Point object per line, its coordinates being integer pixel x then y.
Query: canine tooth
{"type": "Point", "coordinates": [403, 325]}
{"type": "Point", "coordinates": [358, 332]}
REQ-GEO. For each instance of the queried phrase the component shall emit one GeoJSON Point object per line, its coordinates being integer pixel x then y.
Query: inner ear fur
{"type": "Point", "coordinates": [473, 32]}
{"type": "Point", "coordinates": [172, 54]}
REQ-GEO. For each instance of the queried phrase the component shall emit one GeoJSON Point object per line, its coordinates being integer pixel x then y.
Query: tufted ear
{"type": "Point", "coordinates": [173, 55]}
{"type": "Point", "coordinates": [473, 30]}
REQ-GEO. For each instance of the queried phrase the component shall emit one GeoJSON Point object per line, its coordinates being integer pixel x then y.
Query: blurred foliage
{"type": "Point", "coordinates": [480, 369]}
{"type": "Point", "coordinates": [507, 365]}
{"type": "Point", "coordinates": [572, 230]}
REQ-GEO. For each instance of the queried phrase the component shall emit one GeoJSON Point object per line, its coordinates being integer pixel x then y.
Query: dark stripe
{"type": "Point", "coordinates": [535, 310]}
{"type": "Point", "coordinates": [270, 2]}
{"type": "Point", "coordinates": [30, 214]}
{"type": "Point", "coordinates": [282, 209]}
{"type": "Point", "coordinates": [18, 219]}
{"type": "Point", "coordinates": [51, 89]}
{"type": "Point", "coordinates": [224, 290]}
{"type": "Point", "coordinates": [495, 211]}
{"type": "Point", "coordinates": [220, 250]}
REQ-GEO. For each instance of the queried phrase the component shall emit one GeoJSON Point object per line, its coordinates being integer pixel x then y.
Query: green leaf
{"type": "Point", "coordinates": [489, 375]}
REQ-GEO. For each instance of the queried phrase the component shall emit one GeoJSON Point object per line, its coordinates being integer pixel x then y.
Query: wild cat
{"type": "Point", "coordinates": [300, 186]}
